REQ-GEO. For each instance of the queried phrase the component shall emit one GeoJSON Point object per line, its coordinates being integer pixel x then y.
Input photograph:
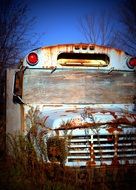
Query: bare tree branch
{"type": "Point", "coordinates": [97, 29]}
{"type": "Point", "coordinates": [127, 31]}
{"type": "Point", "coordinates": [14, 29]}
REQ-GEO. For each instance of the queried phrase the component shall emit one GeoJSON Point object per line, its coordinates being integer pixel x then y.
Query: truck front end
{"type": "Point", "coordinates": [81, 100]}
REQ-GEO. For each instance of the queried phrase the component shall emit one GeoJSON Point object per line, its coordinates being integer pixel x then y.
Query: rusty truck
{"type": "Point", "coordinates": [81, 96]}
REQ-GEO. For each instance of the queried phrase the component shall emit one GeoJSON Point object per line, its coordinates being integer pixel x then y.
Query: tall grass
{"type": "Point", "coordinates": [25, 171]}
{"type": "Point", "coordinates": [2, 138]}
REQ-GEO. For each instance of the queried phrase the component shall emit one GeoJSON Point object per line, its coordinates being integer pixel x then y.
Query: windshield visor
{"type": "Point", "coordinates": [78, 87]}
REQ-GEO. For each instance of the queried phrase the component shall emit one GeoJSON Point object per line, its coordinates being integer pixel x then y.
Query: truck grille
{"type": "Point", "coordinates": [101, 148]}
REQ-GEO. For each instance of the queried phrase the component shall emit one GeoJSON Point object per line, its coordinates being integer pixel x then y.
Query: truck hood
{"type": "Point", "coordinates": [85, 117]}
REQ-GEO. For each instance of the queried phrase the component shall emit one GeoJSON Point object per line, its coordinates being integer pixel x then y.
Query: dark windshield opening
{"type": "Point", "coordinates": [83, 59]}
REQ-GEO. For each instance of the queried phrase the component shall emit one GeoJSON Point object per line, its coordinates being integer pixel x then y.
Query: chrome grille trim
{"type": "Point", "coordinates": [103, 146]}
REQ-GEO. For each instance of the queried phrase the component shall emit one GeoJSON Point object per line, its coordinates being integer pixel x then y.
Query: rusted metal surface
{"type": "Point", "coordinates": [88, 101]}
{"type": "Point", "coordinates": [80, 87]}
{"type": "Point", "coordinates": [48, 56]}
{"type": "Point", "coordinates": [95, 135]}
{"type": "Point", "coordinates": [116, 120]}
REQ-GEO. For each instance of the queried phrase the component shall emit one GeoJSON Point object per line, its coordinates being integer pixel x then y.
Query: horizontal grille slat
{"type": "Point", "coordinates": [78, 157]}
{"type": "Point", "coordinates": [104, 147]}
{"type": "Point", "coordinates": [81, 152]}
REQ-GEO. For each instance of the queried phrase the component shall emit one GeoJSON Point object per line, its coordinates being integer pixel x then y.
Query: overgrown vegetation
{"type": "Point", "coordinates": [24, 170]}
{"type": "Point", "coordinates": [50, 147]}
{"type": "Point", "coordinates": [2, 138]}
{"type": "Point", "coordinates": [27, 165]}
{"type": "Point", "coordinates": [27, 170]}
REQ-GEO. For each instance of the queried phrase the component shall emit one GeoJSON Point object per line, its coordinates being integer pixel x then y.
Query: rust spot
{"type": "Point", "coordinates": [55, 105]}
{"type": "Point", "coordinates": [71, 47]}
{"type": "Point", "coordinates": [113, 114]}
{"type": "Point", "coordinates": [113, 125]}
{"type": "Point", "coordinates": [90, 163]}
{"type": "Point", "coordinates": [113, 129]}
{"type": "Point", "coordinates": [124, 119]}
{"type": "Point", "coordinates": [52, 52]}
{"type": "Point", "coordinates": [72, 111]}
{"type": "Point", "coordinates": [127, 119]}
{"type": "Point", "coordinates": [115, 146]}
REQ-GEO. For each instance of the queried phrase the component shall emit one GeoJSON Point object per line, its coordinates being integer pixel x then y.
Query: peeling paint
{"type": "Point", "coordinates": [49, 55]}
{"type": "Point", "coordinates": [85, 99]}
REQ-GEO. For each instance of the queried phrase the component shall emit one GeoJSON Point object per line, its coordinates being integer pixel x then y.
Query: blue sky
{"type": "Point", "coordinates": [58, 21]}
